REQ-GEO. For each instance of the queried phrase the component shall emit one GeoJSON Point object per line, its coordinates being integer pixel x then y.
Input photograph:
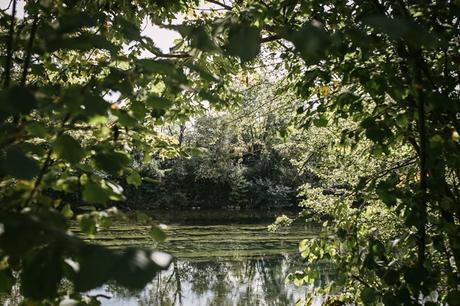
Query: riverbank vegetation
{"type": "Point", "coordinates": [348, 110]}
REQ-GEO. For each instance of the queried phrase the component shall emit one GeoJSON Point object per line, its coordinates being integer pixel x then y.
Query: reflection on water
{"type": "Point", "coordinates": [221, 259]}
{"type": "Point", "coordinates": [243, 282]}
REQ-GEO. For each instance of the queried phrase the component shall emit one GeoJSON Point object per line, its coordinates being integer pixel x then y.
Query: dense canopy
{"type": "Point", "coordinates": [362, 96]}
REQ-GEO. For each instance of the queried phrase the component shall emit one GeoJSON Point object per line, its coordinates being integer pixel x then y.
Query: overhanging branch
{"type": "Point", "coordinates": [171, 55]}
{"type": "Point", "coordinates": [270, 38]}
{"type": "Point", "coordinates": [225, 6]}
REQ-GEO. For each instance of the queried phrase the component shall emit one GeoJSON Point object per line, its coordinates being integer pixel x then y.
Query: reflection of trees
{"type": "Point", "coordinates": [178, 292]}
{"type": "Point", "coordinates": [244, 282]}
{"type": "Point", "coordinates": [257, 281]}
{"type": "Point", "coordinates": [203, 275]}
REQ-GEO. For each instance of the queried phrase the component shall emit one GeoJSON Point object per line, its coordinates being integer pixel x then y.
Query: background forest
{"type": "Point", "coordinates": [348, 110]}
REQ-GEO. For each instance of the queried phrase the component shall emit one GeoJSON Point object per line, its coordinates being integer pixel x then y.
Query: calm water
{"type": "Point", "coordinates": [221, 258]}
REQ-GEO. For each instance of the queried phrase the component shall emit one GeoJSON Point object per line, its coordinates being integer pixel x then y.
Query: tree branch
{"type": "Point", "coordinates": [29, 51]}
{"type": "Point", "coordinates": [225, 6]}
{"type": "Point", "coordinates": [422, 158]}
{"type": "Point", "coordinates": [359, 279]}
{"type": "Point", "coordinates": [48, 162]}
{"type": "Point", "coordinates": [171, 55]}
{"type": "Point", "coordinates": [270, 38]}
{"type": "Point", "coordinates": [9, 47]}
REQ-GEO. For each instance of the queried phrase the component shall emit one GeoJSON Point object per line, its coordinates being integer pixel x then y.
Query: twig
{"type": "Point", "coordinates": [407, 162]}
{"type": "Point", "coordinates": [225, 6]}
{"type": "Point", "coordinates": [270, 38]}
{"type": "Point", "coordinates": [359, 279]}
{"type": "Point", "coordinates": [423, 171]}
{"type": "Point", "coordinates": [48, 162]}
{"type": "Point", "coordinates": [29, 51]}
{"type": "Point", "coordinates": [8, 7]}
{"type": "Point", "coordinates": [9, 47]}
{"type": "Point", "coordinates": [171, 55]}
{"type": "Point", "coordinates": [101, 296]}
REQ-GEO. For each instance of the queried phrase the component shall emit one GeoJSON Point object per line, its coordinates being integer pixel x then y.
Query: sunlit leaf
{"type": "Point", "coordinates": [94, 193]}
{"type": "Point", "coordinates": [134, 179]}
{"type": "Point", "coordinates": [157, 233]}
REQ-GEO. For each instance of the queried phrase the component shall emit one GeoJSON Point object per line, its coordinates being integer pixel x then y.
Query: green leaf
{"type": "Point", "coordinates": [311, 41]}
{"type": "Point", "coordinates": [391, 277]}
{"type": "Point", "coordinates": [156, 66]}
{"type": "Point", "coordinates": [96, 264]}
{"type": "Point", "coordinates": [390, 299]}
{"type": "Point", "coordinates": [67, 211]}
{"type": "Point", "coordinates": [346, 98]}
{"type": "Point", "coordinates": [387, 190]}
{"type": "Point", "coordinates": [37, 129]}
{"type": "Point", "coordinates": [387, 196]}
{"type": "Point", "coordinates": [94, 193]}
{"type": "Point", "coordinates": [95, 105]}
{"type": "Point", "coordinates": [159, 102]}
{"type": "Point", "coordinates": [453, 298]}
{"type": "Point", "coordinates": [394, 27]}
{"type": "Point", "coordinates": [6, 281]}
{"type": "Point", "coordinates": [127, 28]}
{"type": "Point", "coordinates": [198, 36]}
{"type": "Point", "coordinates": [368, 296]}
{"type": "Point", "coordinates": [342, 233]}
{"type": "Point", "coordinates": [69, 149]}
{"type": "Point", "coordinates": [139, 110]}
{"type": "Point", "coordinates": [17, 101]}
{"type": "Point", "coordinates": [200, 39]}
{"type": "Point", "coordinates": [42, 267]}
{"type": "Point", "coordinates": [83, 42]}
{"type": "Point", "coordinates": [398, 28]}
{"type": "Point", "coordinates": [88, 224]}
{"type": "Point", "coordinates": [414, 275]}
{"type": "Point", "coordinates": [244, 42]}
{"type": "Point", "coordinates": [134, 179]}
{"type": "Point", "coordinates": [211, 97]}
{"type": "Point", "coordinates": [321, 121]}
{"type": "Point", "coordinates": [203, 72]}
{"type": "Point", "coordinates": [67, 184]}
{"type": "Point", "coordinates": [136, 267]}
{"type": "Point", "coordinates": [73, 22]}
{"type": "Point", "coordinates": [111, 162]}
{"type": "Point", "coordinates": [19, 165]}
{"type": "Point", "coordinates": [124, 118]}
{"type": "Point", "coordinates": [157, 113]}
{"type": "Point", "coordinates": [377, 131]}
{"type": "Point", "coordinates": [157, 233]}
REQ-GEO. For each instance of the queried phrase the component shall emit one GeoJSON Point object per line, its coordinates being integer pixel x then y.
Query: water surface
{"type": "Point", "coordinates": [221, 258]}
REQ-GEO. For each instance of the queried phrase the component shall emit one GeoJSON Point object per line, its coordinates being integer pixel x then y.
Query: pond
{"type": "Point", "coordinates": [221, 258]}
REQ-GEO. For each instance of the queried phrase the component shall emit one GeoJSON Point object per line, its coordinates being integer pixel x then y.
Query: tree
{"type": "Point", "coordinates": [390, 67]}
{"type": "Point", "coordinates": [76, 100]}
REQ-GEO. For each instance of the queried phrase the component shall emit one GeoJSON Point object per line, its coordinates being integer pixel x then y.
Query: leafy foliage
{"type": "Point", "coordinates": [385, 72]}
{"type": "Point", "coordinates": [62, 138]}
